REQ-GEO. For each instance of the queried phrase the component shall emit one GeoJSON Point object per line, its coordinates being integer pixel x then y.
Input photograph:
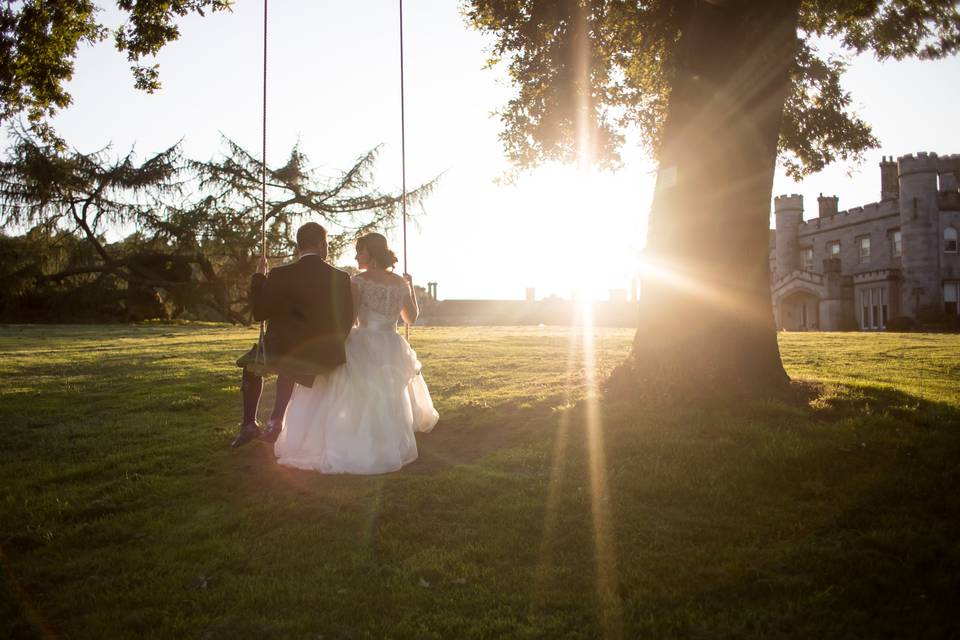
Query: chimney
{"type": "Point", "coordinates": [531, 294]}
{"type": "Point", "coordinates": [889, 179]}
{"type": "Point", "coordinates": [828, 205]}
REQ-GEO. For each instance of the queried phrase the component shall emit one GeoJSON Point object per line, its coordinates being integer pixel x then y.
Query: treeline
{"type": "Point", "coordinates": [51, 275]}
{"type": "Point", "coordinates": [100, 237]}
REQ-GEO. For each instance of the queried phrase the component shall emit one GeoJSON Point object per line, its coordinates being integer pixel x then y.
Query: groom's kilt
{"type": "Point", "coordinates": [302, 371]}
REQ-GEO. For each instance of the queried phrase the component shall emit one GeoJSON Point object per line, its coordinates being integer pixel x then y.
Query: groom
{"type": "Point", "coordinates": [309, 311]}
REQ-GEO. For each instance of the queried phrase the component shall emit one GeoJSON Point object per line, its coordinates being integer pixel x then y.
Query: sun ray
{"type": "Point", "coordinates": [604, 549]}
{"type": "Point", "coordinates": [721, 298]}
{"type": "Point", "coordinates": [605, 560]}
{"type": "Point", "coordinates": [547, 553]}
{"type": "Point", "coordinates": [605, 570]}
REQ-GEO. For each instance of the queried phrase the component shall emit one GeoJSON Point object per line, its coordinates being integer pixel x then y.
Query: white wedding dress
{"type": "Point", "coordinates": [363, 416]}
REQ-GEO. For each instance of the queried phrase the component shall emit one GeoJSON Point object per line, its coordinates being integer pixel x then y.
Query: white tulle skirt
{"type": "Point", "coordinates": [363, 416]}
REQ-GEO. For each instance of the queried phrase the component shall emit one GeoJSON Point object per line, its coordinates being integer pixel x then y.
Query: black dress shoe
{"type": "Point", "coordinates": [272, 432]}
{"type": "Point", "coordinates": [248, 432]}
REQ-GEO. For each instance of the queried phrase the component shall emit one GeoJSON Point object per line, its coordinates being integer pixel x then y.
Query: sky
{"type": "Point", "coordinates": [334, 86]}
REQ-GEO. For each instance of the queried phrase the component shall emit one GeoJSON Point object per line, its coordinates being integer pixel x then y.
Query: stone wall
{"type": "Point", "coordinates": [877, 220]}
{"type": "Point", "coordinates": [550, 311]}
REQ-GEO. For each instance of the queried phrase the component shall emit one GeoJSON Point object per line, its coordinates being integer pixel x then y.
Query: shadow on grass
{"type": "Point", "coordinates": [831, 514]}
{"type": "Point", "coordinates": [472, 431]}
{"type": "Point", "coordinates": [464, 435]}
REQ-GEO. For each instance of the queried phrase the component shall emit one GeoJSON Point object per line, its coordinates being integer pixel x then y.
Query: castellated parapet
{"type": "Point", "coordinates": [922, 162]}
{"type": "Point", "coordinates": [878, 261]}
{"type": "Point", "coordinates": [848, 217]}
{"type": "Point", "coordinates": [785, 203]}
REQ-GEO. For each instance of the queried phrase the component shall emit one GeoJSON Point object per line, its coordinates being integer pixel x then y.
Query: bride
{"type": "Point", "coordinates": [363, 417]}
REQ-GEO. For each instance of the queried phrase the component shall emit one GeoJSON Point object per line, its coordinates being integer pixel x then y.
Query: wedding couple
{"type": "Point", "coordinates": [350, 396]}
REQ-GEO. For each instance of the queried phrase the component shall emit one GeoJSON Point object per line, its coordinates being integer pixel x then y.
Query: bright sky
{"type": "Point", "coordinates": [334, 85]}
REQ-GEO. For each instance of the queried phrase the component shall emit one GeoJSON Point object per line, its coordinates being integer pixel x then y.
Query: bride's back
{"type": "Point", "coordinates": [379, 302]}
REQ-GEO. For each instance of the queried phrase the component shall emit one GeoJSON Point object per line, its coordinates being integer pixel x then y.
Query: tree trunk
{"type": "Point", "coordinates": [706, 319]}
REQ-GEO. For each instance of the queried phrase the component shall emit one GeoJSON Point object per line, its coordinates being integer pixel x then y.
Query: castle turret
{"type": "Point", "coordinates": [828, 205]}
{"type": "Point", "coordinates": [920, 285]}
{"type": "Point", "coordinates": [889, 179]}
{"type": "Point", "coordinates": [789, 214]}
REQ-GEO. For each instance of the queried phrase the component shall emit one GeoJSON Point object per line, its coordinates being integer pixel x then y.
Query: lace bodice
{"type": "Point", "coordinates": [379, 304]}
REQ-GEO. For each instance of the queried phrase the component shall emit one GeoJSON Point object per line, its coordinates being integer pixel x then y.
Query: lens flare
{"type": "Point", "coordinates": [719, 297]}
{"type": "Point", "coordinates": [547, 554]}
{"type": "Point", "coordinates": [605, 560]}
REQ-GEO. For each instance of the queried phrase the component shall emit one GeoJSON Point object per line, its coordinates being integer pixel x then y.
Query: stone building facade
{"type": "Point", "coordinates": [865, 267]}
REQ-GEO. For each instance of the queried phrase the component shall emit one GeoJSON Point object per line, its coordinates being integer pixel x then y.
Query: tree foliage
{"type": "Point", "coordinates": [348, 201]}
{"type": "Point", "coordinates": [39, 41]}
{"type": "Point", "coordinates": [193, 228]}
{"type": "Point", "coordinates": [613, 63]}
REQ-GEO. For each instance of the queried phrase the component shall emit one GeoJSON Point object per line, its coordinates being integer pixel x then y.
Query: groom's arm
{"type": "Point", "coordinates": [343, 302]}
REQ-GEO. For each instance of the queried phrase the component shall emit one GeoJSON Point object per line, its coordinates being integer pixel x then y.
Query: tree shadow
{"type": "Point", "coordinates": [471, 431]}
{"type": "Point", "coordinates": [463, 435]}
{"type": "Point", "coordinates": [856, 491]}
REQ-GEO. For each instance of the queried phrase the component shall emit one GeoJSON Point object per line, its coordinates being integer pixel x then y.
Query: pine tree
{"type": "Point", "coordinates": [194, 227]}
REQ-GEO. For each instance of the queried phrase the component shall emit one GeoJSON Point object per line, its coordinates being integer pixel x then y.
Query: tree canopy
{"type": "Point", "coordinates": [39, 41]}
{"type": "Point", "coordinates": [193, 226]}
{"type": "Point", "coordinates": [611, 65]}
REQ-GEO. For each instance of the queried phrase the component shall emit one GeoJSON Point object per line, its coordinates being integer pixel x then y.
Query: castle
{"type": "Point", "coordinates": [890, 263]}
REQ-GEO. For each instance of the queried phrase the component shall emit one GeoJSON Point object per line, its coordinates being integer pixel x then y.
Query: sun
{"type": "Point", "coordinates": [587, 230]}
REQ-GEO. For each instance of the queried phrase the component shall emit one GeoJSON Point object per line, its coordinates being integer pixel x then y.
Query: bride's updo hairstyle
{"type": "Point", "coordinates": [376, 247]}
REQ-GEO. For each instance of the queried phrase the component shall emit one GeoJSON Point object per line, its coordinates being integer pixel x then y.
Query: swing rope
{"type": "Point", "coordinates": [263, 163]}
{"type": "Point", "coordinates": [403, 169]}
{"type": "Point", "coordinates": [261, 351]}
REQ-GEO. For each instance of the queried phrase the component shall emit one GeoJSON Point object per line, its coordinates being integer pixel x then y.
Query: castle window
{"type": "Point", "coordinates": [896, 244]}
{"type": "Point", "coordinates": [806, 258]}
{"type": "Point", "coordinates": [864, 244]}
{"type": "Point", "coordinates": [833, 249]}
{"type": "Point", "coordinates": [950, 240]}
{"type": "Point", "coordinates": [951, 298]}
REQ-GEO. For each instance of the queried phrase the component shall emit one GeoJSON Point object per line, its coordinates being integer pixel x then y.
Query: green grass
{"type": "Point", "coordinates": [123, 514]}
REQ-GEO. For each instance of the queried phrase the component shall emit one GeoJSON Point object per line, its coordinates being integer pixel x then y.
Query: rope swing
{"type": "Point", "coordinates": [261, 352]}
{"type": "Point", "coordinates": [403, 169]}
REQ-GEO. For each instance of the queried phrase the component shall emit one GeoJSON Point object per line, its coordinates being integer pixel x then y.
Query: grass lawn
{"type": "Point", "coordinates": [533, 512]}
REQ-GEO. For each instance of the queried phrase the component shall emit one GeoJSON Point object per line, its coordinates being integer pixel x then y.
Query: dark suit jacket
{"type": "Point", "coordinates": [309, 311]}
